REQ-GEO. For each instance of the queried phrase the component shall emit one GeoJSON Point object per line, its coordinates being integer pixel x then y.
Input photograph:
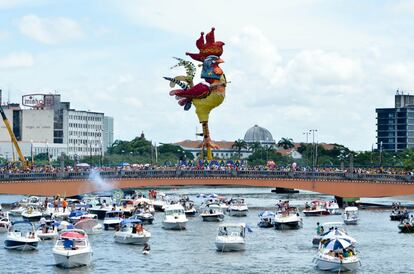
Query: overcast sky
{"type": "Point", "coordinates": [293, 65]}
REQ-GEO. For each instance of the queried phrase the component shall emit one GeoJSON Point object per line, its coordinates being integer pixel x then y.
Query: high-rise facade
{"type": "Point", "coordinates": [395, 126]}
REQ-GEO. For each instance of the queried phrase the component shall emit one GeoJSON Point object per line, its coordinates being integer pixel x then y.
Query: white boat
{"type": "Point", "coordinates": [238, 208]}
{"type": "Point", "coordinates": [212, 215]}
{"type": "Point", "coordinates": [130, 234]}
{"type": "Point", "coordinates": [45, 232]}
{"type": "Point", "coordinates": [316, 208]}
{"type": "Point", "coordinates": [215, 202]}
{"type": "Point", "coordinates": [112, 219]}
{"type": "Point", "coordinates": [32, 214]}
{"type": "Point", "coordinates": [100, 210]}
{"type": "Point", "coordinates": [22, 237]}
{"type": "Point", "coordinates": [351, 215]}
{"type": "Point", "coordinates": [5, 223]}
{"type": "Point", "coordinates": [174, 218]}
{"type": "Point", "coordinates": [266, 219]}
{"type": "Point", "coordinates": [89, 225]}
{"type": "Point", "coordinates": [144, 217]}
{"type": "Point", "coordinates": [288, 219]}
{"type": "Point", "coordinates": [72, 249]}
{"type": "Point", "coordinates": [231, 237]}
{"type": "Point", "coordinates": [333, 208]}
{"type": "Point", "coordinates": [337, 255]}
{"type": "Point", "coordinates": [16, 211]}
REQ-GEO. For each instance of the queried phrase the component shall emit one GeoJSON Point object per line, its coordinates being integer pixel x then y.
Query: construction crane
{"type": "Point", "coordinates": [25, 163]}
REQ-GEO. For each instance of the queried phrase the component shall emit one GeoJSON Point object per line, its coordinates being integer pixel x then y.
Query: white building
{"type": "Point", "coordinates": [49, 125]}
{"type": "Point", "coordinates": [108, 137]}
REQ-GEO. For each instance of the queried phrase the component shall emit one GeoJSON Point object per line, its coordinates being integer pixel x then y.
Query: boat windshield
{"type": "Point", "coordinates": [174, 212]}
{"type": "Point", "coordinates": [71, 243]}
{"type": "Point", "coordinates": [230, 231]}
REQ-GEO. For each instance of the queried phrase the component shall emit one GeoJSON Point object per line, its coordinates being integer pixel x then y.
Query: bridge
{"type": "Point", "coordinates": [334, 183]}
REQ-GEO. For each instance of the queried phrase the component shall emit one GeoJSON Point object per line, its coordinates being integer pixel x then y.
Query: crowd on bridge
{"type": "Point", "coordinates": [238, 165]}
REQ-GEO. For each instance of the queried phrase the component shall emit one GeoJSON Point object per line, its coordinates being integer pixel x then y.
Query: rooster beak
{"type": "Point", "coordinates": [218, 61]}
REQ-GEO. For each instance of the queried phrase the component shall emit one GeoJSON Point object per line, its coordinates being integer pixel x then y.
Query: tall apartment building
{"type": "Point", "coordinates": [395, 126]}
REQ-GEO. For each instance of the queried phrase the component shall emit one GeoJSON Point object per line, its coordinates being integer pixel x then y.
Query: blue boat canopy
{"type": "Point", "coordinates": [131, 221]}
{"type": "Point", "coordinates": [77, 213]}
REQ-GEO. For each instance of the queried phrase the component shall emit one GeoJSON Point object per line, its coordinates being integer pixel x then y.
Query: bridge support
{"type": "Point", "coordinates": [284, 190]}
{"type": "Point", "coordinates": [340, 201]}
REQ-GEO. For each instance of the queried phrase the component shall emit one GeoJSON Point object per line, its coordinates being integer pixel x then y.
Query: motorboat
{"type": "Point", "coordinates": [89, 224]}
{"type": "Point", "coordinates": [5, 223]}
{"type": "Point", "coordinates": [189, 208]}
{"type": "Point", "coordinates": [144, 217]}
{"type": "Point", "coordinates": [317, 208]}
{"type": "Point", "coordinates": [21, 236]}
{"type": "Point", "coordinates": [144, 204]}
{"type": "Point", "coordinates": [398, 215]}
{"type": "Point", "coordinates": [287, 219]}
{"type": "Point", "coordinates": [238, 208]}
{"type": "Point", "coordinates": [100, 210]}
{"type": "Point", "coordinates": [76, 215]}
{"type": "Point", "coordinates": [266, 219]}
{"type": "Point", "coordinates": [132, 232]}
{"type": "Point", "coordinates": [45, 232]}
{"type": "Point", "coordinates": [127, 207]}
{"type": "Point", "coordinates": [159, 203]}
{"type": "Point", "coordinates": [72, 249]}
{"type": "Point", "coordinates": [333, 208]}
{"type": "Point", "coordinates": [326, 228]}
{"type": "Point", "coordinates": [212, 215]}
{"type": "Point", "coordinates": [175, 218]}
{"type": "Point", "coordinates": [16, 211]}
{"type": "Point", "coordinates": [214, 201]}
{"type": "Point", "coordinates": [231, 237]}
{"type": "Point", "coordinates": [406, 226]}
{"type": "Point", "coordinates": [113, 219]}
{"type": "Point", "coordinates": [350, 215]}
{"type": "Point", "coordinates": [32, 214]}
{"type": "Point", "coordinates": [337, 255]}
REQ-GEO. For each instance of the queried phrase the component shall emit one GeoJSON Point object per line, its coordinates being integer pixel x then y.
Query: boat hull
{"type": "Point", "coordinates": [230, 245]}
{"type": "Point", "coordinates": [20, 245]}
{"type": "Point", "coordinates": [315, 213]}
{"type": "Point", "coordinates": [238, 213]}
{"type": "Point", "coordinates": [70, 260]}
{"type": "Point", "coordinates": [99, 212]}
{"type": "Point", "coordinates": [130, 239]}
{"type": "Point", "coordinates": [213, 218]}
{"type": "Point", "coordinates": [265, 224]}
{"type": "Point", "coordinates": [32, 218]}
{"type": "Point", "coordinates": [174, 225]}
{"type": "Point", "coordinates": [404, 228]}
{"type": "Point", "coordinates": [336, 266]}
{"type": "Point", "coordinates": [351, 222]}
{"type": "Point", "coordinates": [288, 225]}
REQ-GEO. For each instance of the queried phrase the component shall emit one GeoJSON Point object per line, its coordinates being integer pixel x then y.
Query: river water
{"type": "Point", "coordinates": [382, 249]}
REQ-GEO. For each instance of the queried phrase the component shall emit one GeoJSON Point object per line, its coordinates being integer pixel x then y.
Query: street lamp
{"type": "Point", "coordinates": [313, 147]}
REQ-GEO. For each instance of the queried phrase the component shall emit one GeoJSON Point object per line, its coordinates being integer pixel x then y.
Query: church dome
{"type": "Point", "coordinates": [258, 134]}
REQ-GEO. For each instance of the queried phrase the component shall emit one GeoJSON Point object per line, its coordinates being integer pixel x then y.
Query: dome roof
{"type": "Point", "coordinates": [258, 134]}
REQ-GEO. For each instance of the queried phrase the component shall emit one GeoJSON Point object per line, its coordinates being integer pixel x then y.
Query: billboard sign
{"type": "Point", "coordinates": [34, 100]}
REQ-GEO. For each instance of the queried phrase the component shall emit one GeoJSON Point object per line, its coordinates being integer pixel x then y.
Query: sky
{"type": "Point", "coordinates": [293, 65]}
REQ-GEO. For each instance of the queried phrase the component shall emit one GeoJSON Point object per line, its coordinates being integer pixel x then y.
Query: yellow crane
{"type": "Point", "coordinates": [25, 163]}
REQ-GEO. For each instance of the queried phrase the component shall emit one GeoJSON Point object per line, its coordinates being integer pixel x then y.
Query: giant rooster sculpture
{"type": "Point", "coordinates": [206, 95]}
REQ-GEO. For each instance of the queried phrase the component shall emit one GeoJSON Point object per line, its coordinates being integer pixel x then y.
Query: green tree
{"type": "Point", "coordinates": [255, 146]}
{"type": "Point", "coordinates": [239, 145]}
{"type": "Point", "coordinates": [286, 143]}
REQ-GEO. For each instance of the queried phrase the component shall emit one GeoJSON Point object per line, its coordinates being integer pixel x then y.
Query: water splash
{"type": "Point", "coordinates": [99, 182]}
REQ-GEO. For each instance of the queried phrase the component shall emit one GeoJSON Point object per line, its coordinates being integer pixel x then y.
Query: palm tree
{"type": "Point", "coordinates": [255, 146]}
{"type": "Point", "coordinates": [286, 143]}
{"type": "Point", "coordinates": [239, 145]}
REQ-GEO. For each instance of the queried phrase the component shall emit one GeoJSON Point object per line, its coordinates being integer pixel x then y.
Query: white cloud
{"type": "Point", "coordinates": [53, 30]}
{"type": "Point", "coordinates": [16, 60]}
{"type": "Point", "coordinates": [3, 35]}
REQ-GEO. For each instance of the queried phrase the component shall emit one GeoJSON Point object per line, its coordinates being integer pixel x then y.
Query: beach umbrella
{"type": "Point", "coordinates": [337, 243]}
{"type": "Point", "coordinates": [337, 233]}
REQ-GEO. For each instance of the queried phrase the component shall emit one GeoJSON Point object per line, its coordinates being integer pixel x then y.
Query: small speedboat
{"type": "Point", "coordinates": [44, 232]}
{"type": "Point", "coordinates": [238, 208]}
{"type": "Point", "coordinates": [22, 237]}
{"type": "Point", "coordinates": [317, 208]}
{"type": "Point", "coordinates": [333, 208]}
{"type": "Point", "coordinates": [175, 218]}
{"type": "Point", "coordinates": [406, 226]}
{"type": "Point", "coordinates": [350, 215]}
{"type": "Point", "coordinates": [398, 215]}
{"type": "Point", "coordinates": [100, 210]}
{"type": "Point", "coordinates": [288, 219]}
{"type": "Point", "coordinates": [5, 223]}
{"type": "Point", "coordinates": [89, 224]}
{"type": "Point", "coordinates": [132, 232]}
{"type": "Point", "coordinates": [72, 249]}
{"type": "Point", "coordinates": [337, 255]}
{"type": "Point", "coordinates": [144, 217]}
{"type": "Point", "coordinates": [189, 208]}
{"type": "Point", "coordinates": [32, 214]}
{"type": "Point", "coordinates": [16, 211]}
{"type": "Point", "coordinates": [212, 215]}
{"type": "Point", "coordinates": [325, 230]}
{"type": "Point", "coordinates": [113, 219]}
{"type": "Point", "coordinates": [231, 237]}
{"type": "Point", "coordinates": [266, 219]}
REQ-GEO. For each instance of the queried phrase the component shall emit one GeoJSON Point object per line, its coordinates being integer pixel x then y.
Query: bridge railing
{"type": "Point", "coordinates": [253, 174]}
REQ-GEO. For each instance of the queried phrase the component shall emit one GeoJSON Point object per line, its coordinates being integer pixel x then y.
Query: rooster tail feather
{"type": "Point", "coordinates": [177, 82]}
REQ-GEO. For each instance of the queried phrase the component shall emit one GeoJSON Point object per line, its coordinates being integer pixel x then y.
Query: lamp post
{"type": "Point", "coordinates": [31, 150]}
{"type": "Point", "coordinates": [313, 147]}
{"type": "Point", "coordinates": [381, 154]}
